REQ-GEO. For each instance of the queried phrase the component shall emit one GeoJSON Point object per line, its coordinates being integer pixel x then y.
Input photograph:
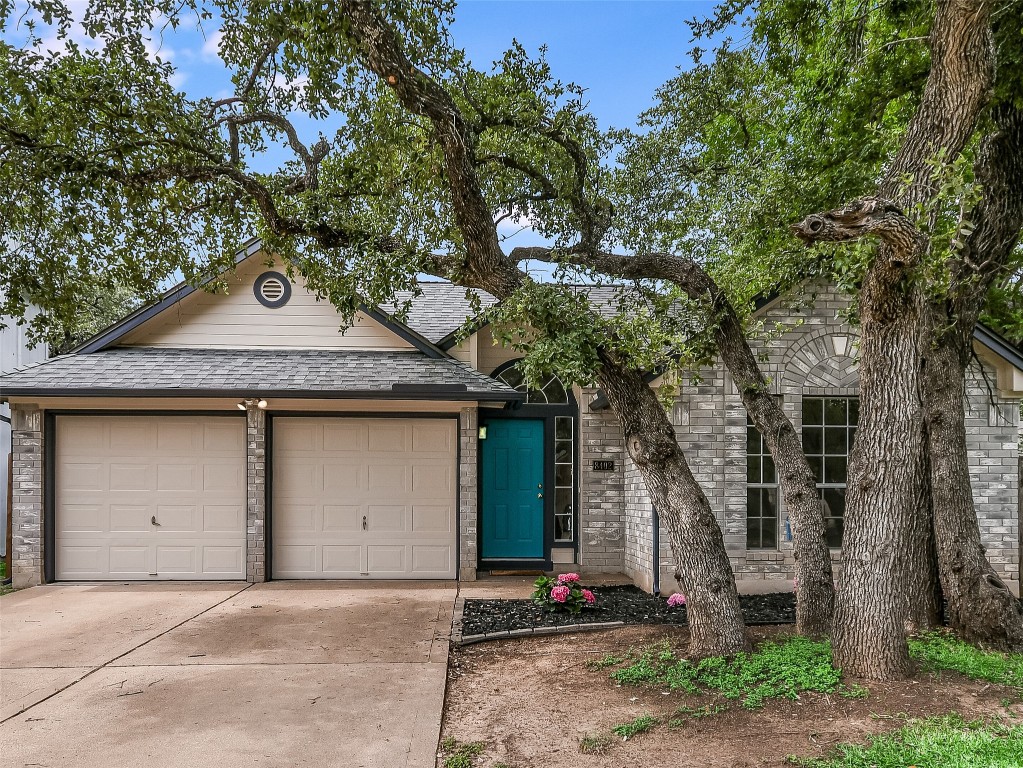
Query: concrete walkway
{"type": "Point", "coordinates": [281, 674]}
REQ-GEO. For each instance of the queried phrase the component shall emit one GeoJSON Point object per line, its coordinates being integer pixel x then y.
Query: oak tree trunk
{"type": "Point", "coordinates": [701, 563]}
{"type": "Point", "coordinates": [815, 595]}
{"type": "Point", "coordinates": [886, 473]}
{"type": "Point", "coordinates": [925, 597]}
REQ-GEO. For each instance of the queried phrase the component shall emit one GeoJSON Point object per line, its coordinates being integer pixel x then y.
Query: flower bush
{"type": "Point", "coordinates": [676, 600]}
{"type": "Point", "coordinates": [562, 593]}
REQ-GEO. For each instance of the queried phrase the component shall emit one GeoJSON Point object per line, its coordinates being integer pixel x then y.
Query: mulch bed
{"type": "Point", "coordinates": [624, 603]}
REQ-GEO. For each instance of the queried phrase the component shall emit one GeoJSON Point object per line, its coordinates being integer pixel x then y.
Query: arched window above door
{"type": "Point", "coordinates": [552, 392]}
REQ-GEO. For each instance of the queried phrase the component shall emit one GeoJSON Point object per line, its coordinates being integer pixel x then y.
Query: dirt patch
{"type": "Point", "coordinates": [532, 700]}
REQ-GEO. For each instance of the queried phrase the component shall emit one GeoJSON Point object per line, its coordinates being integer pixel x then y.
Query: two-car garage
{"type": "Point", "coordinates": [154, 497]}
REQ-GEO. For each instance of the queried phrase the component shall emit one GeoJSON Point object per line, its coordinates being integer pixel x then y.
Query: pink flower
{"type": "Point", "coordinates": [588, 596]}
{"type": "Point", "coordinates": [676, 600]}
{"type": "Point", "coordinates": [560, 593]}
{"type": "Point", "coordinates": [567, 578]}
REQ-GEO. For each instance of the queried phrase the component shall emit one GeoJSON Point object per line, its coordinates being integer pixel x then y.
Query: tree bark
{"type": "Point", "coordinates": [815, 595]}
{"type": "Point", "coordinates": [716, 623]}
{"type": "Point", "coordinates": [925, 597]}
{"type": "Point", "coordinates": [887, 470]}
{"type": "Point", "coordinates": [979, 605]}
{"type": "Point", "coordinates": [702, 568]}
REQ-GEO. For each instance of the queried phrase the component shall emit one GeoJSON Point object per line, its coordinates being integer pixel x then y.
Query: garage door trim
{"type": "Point", "coordinates": [268, 521]}
{"type": "Point", "coordinates": [49, 458]}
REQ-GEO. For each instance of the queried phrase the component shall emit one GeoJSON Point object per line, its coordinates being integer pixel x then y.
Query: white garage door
{"type": "Point", "coordinates": [150, 497]}
{"type": "Point", "coordinates": [364, 498]}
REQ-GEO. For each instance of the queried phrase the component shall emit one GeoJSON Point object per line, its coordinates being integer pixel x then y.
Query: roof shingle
{"type": "Point", "coordinates": [189, 372]}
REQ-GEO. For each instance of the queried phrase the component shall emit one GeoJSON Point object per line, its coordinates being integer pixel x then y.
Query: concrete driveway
{"type": "Point", "coordinates": [279, 674]}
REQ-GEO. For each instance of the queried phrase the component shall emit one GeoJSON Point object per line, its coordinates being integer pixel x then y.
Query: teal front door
{"type": "Point", "coordinates": [513, 504]}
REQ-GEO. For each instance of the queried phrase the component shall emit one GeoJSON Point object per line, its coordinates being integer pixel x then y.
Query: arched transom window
{"type": "Point", "coordinates": [552, 392]}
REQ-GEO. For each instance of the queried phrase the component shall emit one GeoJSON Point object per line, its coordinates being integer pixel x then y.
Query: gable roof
{"type": "Point", "coordinates": [111, 335]}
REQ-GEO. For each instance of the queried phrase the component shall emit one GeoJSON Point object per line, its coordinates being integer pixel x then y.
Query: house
{"type": "Point", "coordinates": [15, 351]}
{"type": "Point", "coordinates": [241, 436]}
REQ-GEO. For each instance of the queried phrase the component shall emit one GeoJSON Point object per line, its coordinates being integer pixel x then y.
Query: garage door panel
{"type": "Point", "coordinates": [83, 517]}
{"type": "Point", "coordinates": [176, 559]}
{"type": "Point", "coordinates": [141, 469]}
{"type": "Point", "coordinates": [428, 559]}
{"type": "Point", "coordinates": [386, 519]}
{"type": "Point", "coordinates": [427, 518]}
{"type": "Point", "coordinates": [131, 477]}
{"type": "Point", "coordinates": [341, 561]}
{"type": "Point", "coordinates": [295, 560]}
{"type": "Point", "coordinates": [220, 476]}
{"type": "Point", "coordinates": [222, 560]}
{"type": "Point", "coordinates": [431, 480]}
{"type": "Point", "coordinates": [386, 559]}
{"type": "Point", "coordinates": [126, 561]}
{"type": "Point", "coordinates": [80, 476]}
{"type": "Point", "coordinates": [388, 438]}
{"type": "Point", "coordinates": [342, 476]}
{"type": "Point", "coordinates": [318, 529]}
{"type": "Point", "coordinates": [338, 437]}
{"type": "Point", "coordinates": [127, 439]}
{"type": "Point", "coordinates": [127, 518]}
{"type": "Point", "coordinates": [340, 518]}
{"type": "Point", "coordinates": [87, 561]}
{"type": "Point", "coordinates": [223, 518]}
{"type": "Point", "coordinates": [432, 438]}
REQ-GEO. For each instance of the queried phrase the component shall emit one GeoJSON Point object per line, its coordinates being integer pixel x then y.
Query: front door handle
{"type": "Point", "coordinates": [156, 523]}
{"type": "Point", "coordinates": [539, 495]}
{"type": "Point", "coordinates": [364, 522]}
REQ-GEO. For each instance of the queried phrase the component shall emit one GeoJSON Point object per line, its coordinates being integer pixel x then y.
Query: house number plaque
{"type": "Point", "coordinates": [603, 465]}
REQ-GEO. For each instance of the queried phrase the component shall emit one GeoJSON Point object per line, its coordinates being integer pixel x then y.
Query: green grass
{"type": "Point", "coordinates": [461, 755]}
{"type": "Point", "coordinates": [608, 660]}
{"type": "Point", "coordinates": [596, 744]}
{"type": "Point", "coordinates": [937, 651]}
{"type": "Point", "coordinates": [776, 669]}
{"type": "Point", "coordinates": [684, 713]}
{"type": "Point", "coordinates": [4, 589]}
{"type": "Point", "coordinates": [641, 724]}
{"type": "Point", "coordinates": [943, 742]}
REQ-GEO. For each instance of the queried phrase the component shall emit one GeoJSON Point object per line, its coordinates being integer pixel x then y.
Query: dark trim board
{"type": "Point", "coordinates": [268, 518]}
{"type": "Point", "coordinates": [49, 496]}
{"type": "Point", "coordinates": [411, 393]}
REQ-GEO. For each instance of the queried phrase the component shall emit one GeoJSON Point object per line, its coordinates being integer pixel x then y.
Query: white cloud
{"type": "Point", "coordinates": [211, 47]}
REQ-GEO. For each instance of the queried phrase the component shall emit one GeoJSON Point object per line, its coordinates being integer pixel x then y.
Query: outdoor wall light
{"type": "Point", "coordinates": [252, 402]}
{"type": "Point", "coordinates": [483, 433]}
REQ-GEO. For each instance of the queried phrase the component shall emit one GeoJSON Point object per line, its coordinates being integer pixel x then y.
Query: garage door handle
{"type": "Point", "coordinates": [364, 522]}
{"type": "Point", "coordinates": [156, 523]}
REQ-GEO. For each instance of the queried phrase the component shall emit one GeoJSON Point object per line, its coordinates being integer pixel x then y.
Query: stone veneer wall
{"type": "Point", "coordinates": [602, 495]}
{"type": "Point", "coordinates": [812, 353]}
{"type": "Point", "coordinates": [468, 483]}
{"type": "Point", "coordinates": [27, 491]}
{"type": "Point", "coordinates": [992, 435]}
{"type": "Point", "coordinates": [255, 493]}
{"type": "Point", "coordinates": [637, 562]}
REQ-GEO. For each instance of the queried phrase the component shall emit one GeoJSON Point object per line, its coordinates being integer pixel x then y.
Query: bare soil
{"type": "Point", "coordinates": [531, 700]}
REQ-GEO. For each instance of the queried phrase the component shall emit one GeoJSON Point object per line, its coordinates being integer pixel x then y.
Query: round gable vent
{"type": "Point", "coordinates": [272, 290]}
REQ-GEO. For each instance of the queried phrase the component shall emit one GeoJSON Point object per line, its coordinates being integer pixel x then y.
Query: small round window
{"type": "Point", "coordinates": [272, 289]}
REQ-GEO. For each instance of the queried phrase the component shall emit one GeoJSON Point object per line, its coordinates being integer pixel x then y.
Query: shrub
{"type": "Point", "coordinates": [562, 593]}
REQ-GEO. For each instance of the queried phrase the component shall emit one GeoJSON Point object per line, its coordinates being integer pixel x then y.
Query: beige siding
{"type": "Point", "coordinates": [491, 355]}
{"type": "Point", "coordinates": [236, 320]}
